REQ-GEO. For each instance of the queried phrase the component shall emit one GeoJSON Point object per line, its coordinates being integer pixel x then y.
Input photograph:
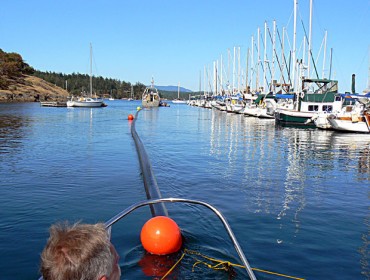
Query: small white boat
{"type": "Point", "coordinates": [354, 124]}
{"type": "Point", "coordinates": [86, 102]}
{"type": "Point", "coordinates": [179, 101]}
{"type": "Point", "coordinates": [351, 117]}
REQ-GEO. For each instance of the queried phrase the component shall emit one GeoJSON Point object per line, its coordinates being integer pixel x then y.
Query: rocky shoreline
{"type": "Point", "coordinates": [32, 89]}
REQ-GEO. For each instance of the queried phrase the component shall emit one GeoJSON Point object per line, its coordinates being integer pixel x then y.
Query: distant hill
{"type": "Point", "coordinates": [172, 88]}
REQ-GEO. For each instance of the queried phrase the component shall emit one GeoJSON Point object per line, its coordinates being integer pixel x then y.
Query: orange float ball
{"type": "Point", "coordinates": [161, 235]}
{"type": "Point", "coordinates": [130, 117]}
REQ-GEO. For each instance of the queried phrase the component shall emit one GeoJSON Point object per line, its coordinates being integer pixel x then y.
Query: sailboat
{"type": "Point", "coordinates": [132, 94]}
{"type": "Point", "coordinates": [178, 100]}
{"type": "Point", "coordinates": [87, 102]}
{"type": "Point", "coordinates": [111, 98]}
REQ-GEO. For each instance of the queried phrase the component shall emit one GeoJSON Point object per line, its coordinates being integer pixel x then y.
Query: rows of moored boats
{"type": "Point", "coordinates": [317, 105]}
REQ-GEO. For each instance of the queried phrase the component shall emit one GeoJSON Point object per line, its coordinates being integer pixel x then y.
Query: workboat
{"type": "Point", "coordinates": [151, 97]}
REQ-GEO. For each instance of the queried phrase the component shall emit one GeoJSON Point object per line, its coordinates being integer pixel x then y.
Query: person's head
{"type": "Point", "coordinates": [79, 251]}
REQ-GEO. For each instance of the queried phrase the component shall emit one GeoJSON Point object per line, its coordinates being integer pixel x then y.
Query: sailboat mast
{"type": "Point", "coordinates": [282, 58]}
{"type": "Point", "coordinates": [309, 43]}
{"type": "Point", "coordinates": [252, 62]}
{"type": "Point", "coordinates": [239, 69]}
{"type": "Point", "coordinates": [331, 61]}
{"type": "Point", "coordinates": [294, 44]}
{"type": "Point", "coordinates": [323, 63]}
{"type": "Point", "coordinates": [178, 91]}
{"type": "Point", "coordinates": [258, 60]}
{"type": "Point", "coordinates": [221, 75]}
{"type": "Point", "coordinates": [265, 59]}
{"type": "Point", "coordinates": [90, 70]}
{"type": "Point", "coordinates": [368, 77]}
{"type": "Point", "coordinates": [234, 65]}
{"type": "Point", "coordinates": [273, 52]}
{"type": "Point", "coordinates": [204, 81]}
{"type": "Point", "coordinates": [247, 73]}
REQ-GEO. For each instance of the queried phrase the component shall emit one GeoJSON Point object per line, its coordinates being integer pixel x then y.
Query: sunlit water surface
{"type": "Point", "coordinates": [297, 200]}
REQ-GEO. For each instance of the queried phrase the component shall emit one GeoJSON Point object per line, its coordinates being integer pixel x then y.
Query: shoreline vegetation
{"type": "Point", "coordinates": [20, 82]}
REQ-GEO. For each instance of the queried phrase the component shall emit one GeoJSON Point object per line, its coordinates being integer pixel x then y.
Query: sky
{"type": "Point", "coordinates": [174, 40]}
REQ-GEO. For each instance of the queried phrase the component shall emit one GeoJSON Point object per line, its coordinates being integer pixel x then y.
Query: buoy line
{"type": "Point", "coordinates": [170, 239]}
{"type": "Point", "coordinates": [217, 264]}
{"type": "Point", "coordinates": [150, 183]}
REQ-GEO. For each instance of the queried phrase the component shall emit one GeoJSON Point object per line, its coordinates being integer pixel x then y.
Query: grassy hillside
{"type": "Point", "coordinates": [18, 85]}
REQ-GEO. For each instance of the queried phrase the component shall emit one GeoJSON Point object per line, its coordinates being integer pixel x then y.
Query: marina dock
{"type": "Point", "coordinates": [53, 104]}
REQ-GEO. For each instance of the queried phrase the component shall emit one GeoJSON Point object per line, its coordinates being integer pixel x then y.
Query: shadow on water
{"type": "Point", "coordinates": [12, 132]}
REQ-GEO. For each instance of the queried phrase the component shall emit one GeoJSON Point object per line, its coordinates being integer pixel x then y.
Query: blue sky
{"type": "Point", "coordinates": [134, 40]}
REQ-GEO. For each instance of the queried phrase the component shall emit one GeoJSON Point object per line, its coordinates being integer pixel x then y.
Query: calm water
{"type": "Point", "coordinates": [297, 200]}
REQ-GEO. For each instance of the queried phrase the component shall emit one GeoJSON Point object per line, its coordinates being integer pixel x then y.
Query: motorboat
{"type": "Point", "coordinates": [150, 97]}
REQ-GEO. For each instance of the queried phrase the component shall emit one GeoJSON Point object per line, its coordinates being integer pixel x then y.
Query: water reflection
{"type": "Point", "coordinates": [281, 169]}
{"type": "Point", "coordinates": [12, 132]}
{"type": "Point", "coordinates": [364, 249]}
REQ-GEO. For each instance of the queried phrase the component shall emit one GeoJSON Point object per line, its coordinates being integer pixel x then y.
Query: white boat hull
{"type": "Point", "coordinates": [86, 103]}
{"type": "Point", "coordinates": [179, 101]}
{"type": "Point", "coordinates": [348, 125]}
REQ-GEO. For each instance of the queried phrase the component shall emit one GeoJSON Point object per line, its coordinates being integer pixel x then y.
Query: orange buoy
{"type": "Point", "coordinates": [161, 235]}
{"type": "Point", "coordinates": [130, 117]}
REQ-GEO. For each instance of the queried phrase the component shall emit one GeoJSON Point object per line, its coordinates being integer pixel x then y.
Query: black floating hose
{"type": "Point", "coordinates": [150, 183]}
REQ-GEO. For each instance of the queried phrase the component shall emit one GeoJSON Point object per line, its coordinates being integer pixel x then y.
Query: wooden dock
{"type": "Point", "coordinates": [53, 104]}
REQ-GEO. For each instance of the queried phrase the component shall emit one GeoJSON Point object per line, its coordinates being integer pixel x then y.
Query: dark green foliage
{"type": "Point", "coordinates": [170, 95]}
{"type": "Point", "coordinates": [79, 83]}
{"type": "Point", "coordinates": [12, 67]}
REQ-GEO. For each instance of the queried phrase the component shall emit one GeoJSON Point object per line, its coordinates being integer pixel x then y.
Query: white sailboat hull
{"type": "Point", "coordinates": [179, 101]}
{"type": "Point", "coordinates": [86, 102]}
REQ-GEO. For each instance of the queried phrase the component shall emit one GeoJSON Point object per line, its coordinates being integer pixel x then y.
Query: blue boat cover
{"type": "Point", "coordinates": [284, 96]}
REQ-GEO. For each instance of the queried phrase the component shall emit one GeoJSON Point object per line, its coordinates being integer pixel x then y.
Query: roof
{"type": "Point", "coordinates": [326, 81]}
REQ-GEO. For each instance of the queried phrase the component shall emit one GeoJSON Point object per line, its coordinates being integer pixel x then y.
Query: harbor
{"type": "Point", "coordinates": [296, 199]}
{"type": "Point", "coordinates": [185, 140]}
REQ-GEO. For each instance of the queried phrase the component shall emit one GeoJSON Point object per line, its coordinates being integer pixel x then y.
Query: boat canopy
{"type": "Point", "coordinates": [259, 98]}
{"type": "Point", "coordinates": [325, 81]}
{"type": "Point", "coordinates": [355, 95]}
{"type": "Point", "coordinates": [284, 96]}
